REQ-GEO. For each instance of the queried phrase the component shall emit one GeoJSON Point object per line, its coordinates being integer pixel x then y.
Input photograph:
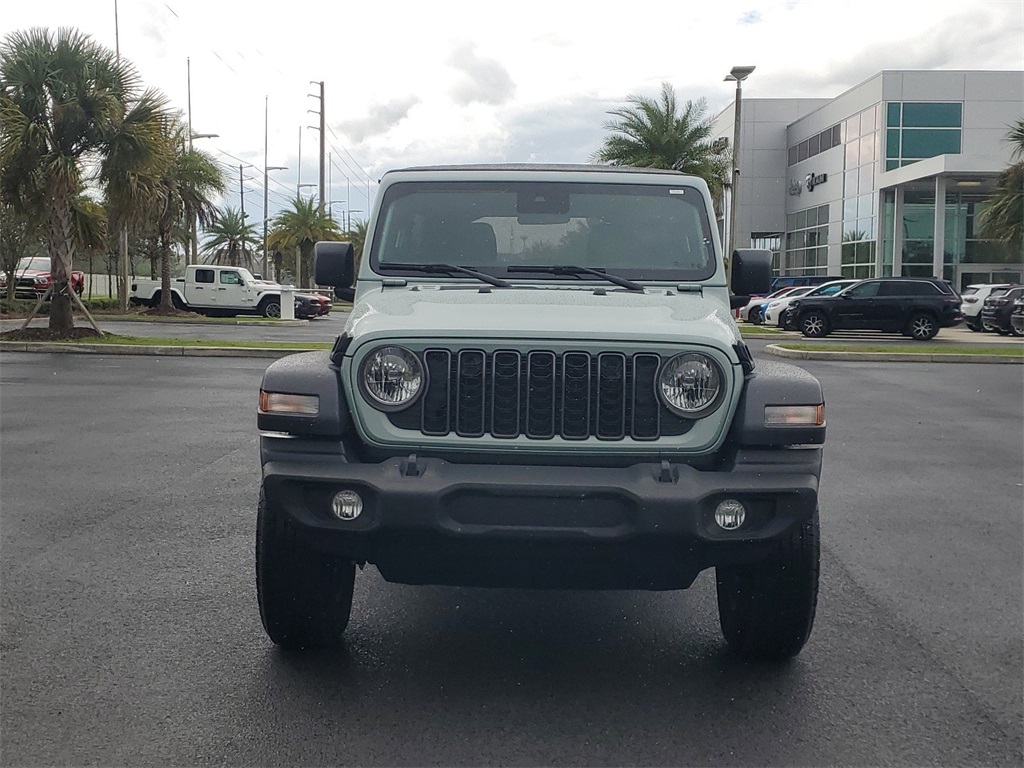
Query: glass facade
{"type": "Point", "coordinates": [807, 242]}
{"type": "Point", "coordinates": [860, 197]}
{"type": "Point", "coordinates": [967, 257]}
{"type": "Point", "coordinates": [769, 241]}
{"type": "Point", "coordinates": [916, 130]}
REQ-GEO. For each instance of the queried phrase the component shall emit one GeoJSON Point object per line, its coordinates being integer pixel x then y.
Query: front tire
{"type": "Point", "coordinates": [814, 325]}
{"type": "Point", "coordinates": [756, 315]}
{"type": "Point", "coordinates": [767, 609]}
{"type": "Point", "coordinates": [305, 596]}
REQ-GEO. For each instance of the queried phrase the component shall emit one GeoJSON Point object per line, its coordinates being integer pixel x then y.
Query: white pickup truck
{"type": "Point", "coordinates": [214, 290]}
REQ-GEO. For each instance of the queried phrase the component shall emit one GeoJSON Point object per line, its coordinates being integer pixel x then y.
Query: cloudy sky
{"type": "Point", "coordinates": [438, 82]}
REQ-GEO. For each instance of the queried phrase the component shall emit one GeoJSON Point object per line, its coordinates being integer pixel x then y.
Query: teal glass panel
{"type": "Point", "coordinates": [892, 114]}
{"type": "Point", "coordinates": [848, 253]}
{"type": "Point", "coordinates": [850, 209]}
{"type": "Point", "coordinates": [892, 143]}
{"type": "Point", "coordinates": [823, 214]}
{"type": "Point", "coordinates": [891, 165]}
{"type": "Point", "coordinates": [932, 115]}
{"type": "Point", "coordinates": [924, 142]}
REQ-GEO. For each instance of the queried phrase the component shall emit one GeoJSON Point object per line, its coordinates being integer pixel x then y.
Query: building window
{"type": "Point", "coordinates": [816, 144]}
{"type": "Point", "coordinates": [769, 241]}
{"type": "Point", "coordinates": [807, 242]}
{"type": "Point", "coordinates": [916, 130]}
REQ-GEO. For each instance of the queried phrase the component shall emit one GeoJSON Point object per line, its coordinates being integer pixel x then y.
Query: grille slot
{"type": "Point", "coordinates": [542, 395]}
{"type": "Point", "coordinates": [470, 389]}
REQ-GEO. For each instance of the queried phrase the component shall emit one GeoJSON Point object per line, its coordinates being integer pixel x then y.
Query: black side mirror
{"type": "Point", "coordinates": [751, 274]}
{"type": "Point", "coordinates": [335, 264]}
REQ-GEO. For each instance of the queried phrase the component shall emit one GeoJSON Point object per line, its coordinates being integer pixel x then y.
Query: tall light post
{"type": "Point", "coordinates": [192, 224]}
{"type": "Point", "coordinates": [737, 74]}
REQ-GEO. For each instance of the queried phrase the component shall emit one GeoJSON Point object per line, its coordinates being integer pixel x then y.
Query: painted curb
{"type": "Point", "coordinates": [892, 357]}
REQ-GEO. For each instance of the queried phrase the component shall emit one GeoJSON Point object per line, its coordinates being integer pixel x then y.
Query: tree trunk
{"type": "Point", "coordinates": [62, 252]}
{"type": "Point", "coordinates": [166, 305]}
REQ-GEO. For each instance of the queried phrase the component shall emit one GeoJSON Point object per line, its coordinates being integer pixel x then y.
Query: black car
{"type": "Point", "coordinates": [916, 307]}
{"type": "Point", "coordinates": [996, 311]}
{"type": "Point", "coordinates": [1017, 318]}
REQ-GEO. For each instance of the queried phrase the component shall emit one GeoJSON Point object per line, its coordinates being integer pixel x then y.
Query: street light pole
{"type": "Point", "coordinates": [738, 74]}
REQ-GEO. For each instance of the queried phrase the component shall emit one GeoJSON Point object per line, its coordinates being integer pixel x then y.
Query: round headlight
{"type": "Point", "coordinates": [690, 384]}
{"type": "Point", "coordinates": [392, 378]}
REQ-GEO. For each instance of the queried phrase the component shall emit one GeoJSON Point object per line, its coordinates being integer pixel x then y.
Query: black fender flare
{"type": "Point", "coordinates": [307, 373]}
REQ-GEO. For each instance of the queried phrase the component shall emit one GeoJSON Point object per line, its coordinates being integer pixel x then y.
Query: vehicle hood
{"type": "Point", "coordinates": [657, 315]}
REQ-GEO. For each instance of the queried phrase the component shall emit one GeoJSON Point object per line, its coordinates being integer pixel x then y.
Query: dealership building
{"type": "Point", "coordinates": [887, 178]}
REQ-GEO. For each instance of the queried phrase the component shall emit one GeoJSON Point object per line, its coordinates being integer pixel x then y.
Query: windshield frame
{"type": "Point", "coordinates": [690, 193]}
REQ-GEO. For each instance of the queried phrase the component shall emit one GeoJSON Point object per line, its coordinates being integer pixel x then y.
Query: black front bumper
{"type": "Point", "coordinates": [644, 526]}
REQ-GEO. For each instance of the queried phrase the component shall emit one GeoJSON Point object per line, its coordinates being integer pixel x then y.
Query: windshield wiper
{"type": "Point", "coordinates": [447, 269]}
{"type": "Point", "coordinates": [569, 269]}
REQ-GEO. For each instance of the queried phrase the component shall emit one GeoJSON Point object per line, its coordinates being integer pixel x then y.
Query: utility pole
{"type": "Point", "coordinates": [323, 139]}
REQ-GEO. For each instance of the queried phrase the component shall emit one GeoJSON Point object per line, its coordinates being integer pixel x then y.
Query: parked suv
{"type": "Point", "coordinates": [777, 309]}
{"type": "Point", "coordinates": [1017, 318]}
{"type": "Point", "coordinates": [996, 311]}
{"type": "Point", "coordinates": [916, 307]}
{"type": "Point", "coordinates": [974, 299]}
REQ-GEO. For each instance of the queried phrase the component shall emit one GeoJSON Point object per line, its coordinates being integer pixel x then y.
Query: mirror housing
{"type": "Point", "coordinates": [335, 264]}
{"type": "Point", "coordinates": [751, 273]}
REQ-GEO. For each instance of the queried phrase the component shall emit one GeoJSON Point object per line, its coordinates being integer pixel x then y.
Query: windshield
{"type": "Point", "coordinates": [631, 230]}
{"type": "Point", "coordinates": [829, 289]}
{"type": "Point", "coordinates": [38, 263]}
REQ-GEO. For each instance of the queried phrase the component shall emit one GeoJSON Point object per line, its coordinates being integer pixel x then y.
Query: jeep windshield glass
{"type": "Point", "coordinates": [447, 269]}
{"type": "Point", "coordinates": [633, 231]}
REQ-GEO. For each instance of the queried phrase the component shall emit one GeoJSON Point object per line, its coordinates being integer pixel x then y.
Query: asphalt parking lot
{"type": "Point", "coordinates": [130, 633]}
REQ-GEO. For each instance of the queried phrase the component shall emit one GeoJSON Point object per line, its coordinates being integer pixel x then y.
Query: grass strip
{"type": "Point", "coordinates": [1001, 350]}
{"type": "Point", "coordinates": [140, 341]}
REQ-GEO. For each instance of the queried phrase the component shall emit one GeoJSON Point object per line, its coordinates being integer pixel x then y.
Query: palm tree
{"type": "Point", "coordinates": [180, 194]}
{"type": "Point", "coordinates": [226, 236]}
{"type": "Point", "coordinates": [65, 103]}
{"type": "Point", "coordinates": [1003, 217]}
{"type": "Point", "coordinates": [655, 134]}
{"type": "Point", "coordinates": [298, 230]}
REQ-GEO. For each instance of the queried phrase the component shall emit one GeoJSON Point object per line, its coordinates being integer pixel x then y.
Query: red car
{"type": "Point", "coordinates": [32, 278]}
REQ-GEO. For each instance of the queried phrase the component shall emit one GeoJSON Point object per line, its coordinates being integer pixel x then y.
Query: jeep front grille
{"type": "Point", "coordinates": [541, 395]}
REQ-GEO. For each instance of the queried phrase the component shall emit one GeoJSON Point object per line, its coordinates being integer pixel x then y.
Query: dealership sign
{"type": "Point", "coordinates": [811, 180]}
{"type": "Point", "coordinates": [814, 179]}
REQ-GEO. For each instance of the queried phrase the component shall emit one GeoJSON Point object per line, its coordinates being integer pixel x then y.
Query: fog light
{"type": "Point", "coordinates": [730, 514]}
{"type": "Point", "coordinates": [347, 505]}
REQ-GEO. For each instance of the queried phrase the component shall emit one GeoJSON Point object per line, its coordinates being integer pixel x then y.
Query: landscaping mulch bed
{"type": "Point", "coordinates": [45, 334]}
